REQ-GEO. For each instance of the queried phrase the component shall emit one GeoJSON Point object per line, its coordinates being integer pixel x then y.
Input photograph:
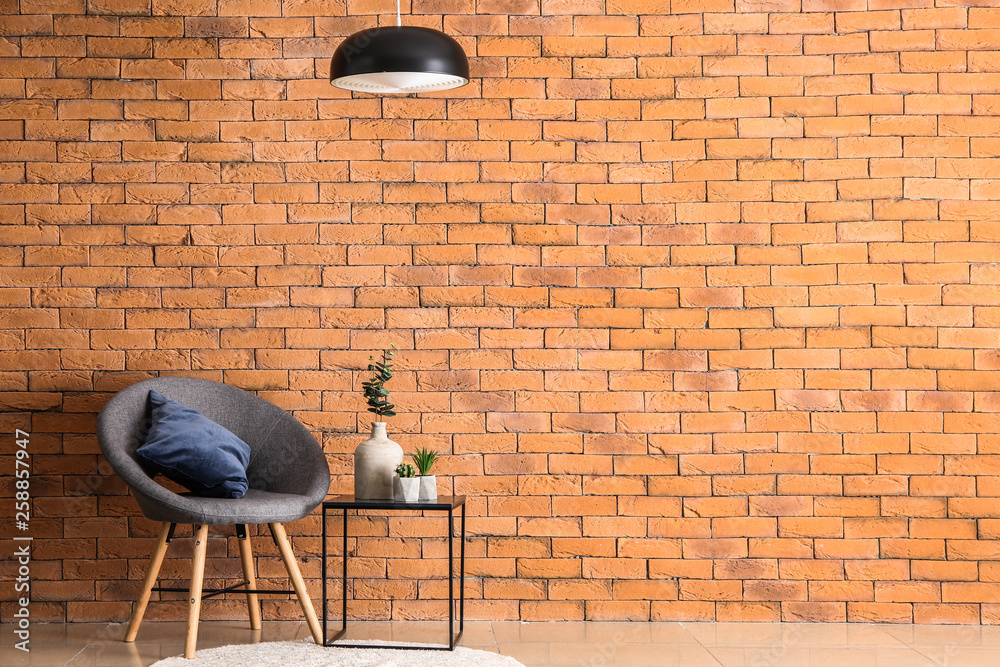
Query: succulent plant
{"type": "Point", "coordinates": [405, 470]}
{"type": "Point", "coordinates": [424, 458]}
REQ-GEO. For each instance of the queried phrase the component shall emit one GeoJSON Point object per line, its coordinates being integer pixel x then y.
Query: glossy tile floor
{"type": "Point", "coordinates": [591, 644]}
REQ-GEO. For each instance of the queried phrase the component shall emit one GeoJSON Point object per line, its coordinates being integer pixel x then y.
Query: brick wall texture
{"type": "Point", "coordinates": [698, 298]}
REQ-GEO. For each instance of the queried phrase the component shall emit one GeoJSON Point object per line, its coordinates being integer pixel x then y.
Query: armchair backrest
{"type": "Point", "coordinates": [284, 458]}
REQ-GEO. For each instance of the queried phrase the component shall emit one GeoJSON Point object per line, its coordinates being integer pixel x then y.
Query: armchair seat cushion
{"type": "Point", "coordinates": [255, 507]}
{"type": "Point", "coordinates": [192, 450]}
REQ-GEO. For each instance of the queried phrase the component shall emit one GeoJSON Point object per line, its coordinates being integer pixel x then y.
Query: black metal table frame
{"type": "Point", "coordinates": [444, 503]}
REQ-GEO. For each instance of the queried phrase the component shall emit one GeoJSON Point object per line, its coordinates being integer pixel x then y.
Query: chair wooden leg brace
{"type": "Point", "coordinates": [281, 539]}
{"type": "Point", "coordinates": [246, 556]}
{"type": "Point", "coordinates": [152, 572]}
{"type": "Point", "coordinates": [194, 594]}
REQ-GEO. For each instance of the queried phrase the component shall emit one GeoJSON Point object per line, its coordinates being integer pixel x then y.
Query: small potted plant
{"type": "Point", "coordinates": [424, 458]}
{"type": "Point", "coordinates": [405, 485]}
{"type": "Point", "coordinates": [376, 458]}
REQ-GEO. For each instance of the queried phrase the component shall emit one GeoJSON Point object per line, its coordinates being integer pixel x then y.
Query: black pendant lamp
{"type": "Point", "coordinates": [399, 59]}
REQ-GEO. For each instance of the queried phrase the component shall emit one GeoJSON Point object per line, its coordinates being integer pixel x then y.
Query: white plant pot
{"type": "Point", "coordinates": [375, 462]}
{"type": "Point", "coordinates": [406, 489]}
{"type": "Point", "coordinates": [428, 487]}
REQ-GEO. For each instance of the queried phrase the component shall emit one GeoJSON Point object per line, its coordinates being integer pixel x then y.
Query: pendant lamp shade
{"type": "Point", "coordinates": [399, 59]}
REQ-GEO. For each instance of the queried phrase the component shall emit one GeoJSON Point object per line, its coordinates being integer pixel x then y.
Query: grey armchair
{"type": "Point", "coordinates": [288, 478]}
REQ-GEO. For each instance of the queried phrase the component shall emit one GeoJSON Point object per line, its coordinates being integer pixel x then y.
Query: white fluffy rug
{"type": "Point", "coordinates": [304, 653]}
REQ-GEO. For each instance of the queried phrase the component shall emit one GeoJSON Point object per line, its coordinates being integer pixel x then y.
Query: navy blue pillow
{"type": "Point", "coordinates": [194, 451]}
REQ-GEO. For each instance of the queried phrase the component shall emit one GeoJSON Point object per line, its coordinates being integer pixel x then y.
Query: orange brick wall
{"type": "Point", "coordinates": [701, 307]}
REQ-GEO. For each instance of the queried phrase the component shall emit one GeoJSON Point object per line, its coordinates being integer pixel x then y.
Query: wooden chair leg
{"type": "Point", "coordinates": [246, 557]}
{"type": "Point", "coordinates": [281, 539]}
{"type": "Point", "coordinates": [152, 572]}
{"type": "Point", "coordinates": [194, 592]}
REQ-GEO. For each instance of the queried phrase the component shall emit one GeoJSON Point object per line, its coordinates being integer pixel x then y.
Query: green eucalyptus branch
{"type": "Point", "coordinates": [375, 392]}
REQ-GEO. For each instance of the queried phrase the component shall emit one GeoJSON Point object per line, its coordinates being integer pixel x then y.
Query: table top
{"type": "Point", "coordinates": [350, 502]}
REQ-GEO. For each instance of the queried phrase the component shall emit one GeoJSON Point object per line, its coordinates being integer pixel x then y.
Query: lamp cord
{"type": "Point", "coordinates": [399, 21]}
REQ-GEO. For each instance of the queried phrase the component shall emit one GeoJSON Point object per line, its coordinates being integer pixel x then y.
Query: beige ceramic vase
{"type": "Point", "coordinates": [375, 462]}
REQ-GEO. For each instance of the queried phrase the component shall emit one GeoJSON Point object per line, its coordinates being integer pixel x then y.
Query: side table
{"type": "Point", "coordinates": [443, 504]}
